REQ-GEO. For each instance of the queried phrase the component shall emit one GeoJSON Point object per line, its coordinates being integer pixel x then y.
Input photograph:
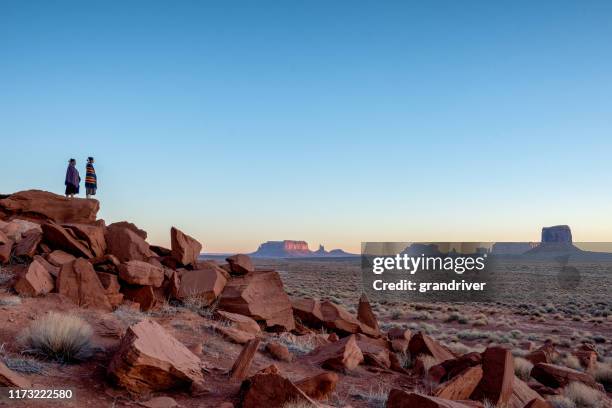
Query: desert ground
{"type": "Point", "coordinates": [95, 309]}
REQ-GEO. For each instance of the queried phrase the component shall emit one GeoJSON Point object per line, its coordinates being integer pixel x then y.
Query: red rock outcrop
{"type": "Point", "coordinates": [141, 273]}
{"type": "Point", "coordinates": [375, 351]}
{"type": "Point", "coordinates": [544, 354]}
{"type": "Point", "coordinates": [240, 264]}
{"type": "Point", "coordinates": [423, 344]}
{"type": "Point", "coordinates": [335, 317]}
{"type": "Point", "coordinates": [35, 281]}
{"type": "Point", "coordinates": [462, 385]}
{"type": "Point", "coordinates": [204, 284]}
{"type": "Point", "coordinates": [150, 359]}
{"type": "Point", "coordinates": [239, 321]}
{"type": "Point", "coordinates": [365, 314]}
{"type": "Point", "coordinates": [59, 237]}
{"type": "Point", "coordinates": [402, 399]}
{"type": "Point", "coordinates": [448, 369]}
{"type": "Point", "coordinates": [126, 245]}
{"type": "Point", "coordinates": [243, 362]}
{"type": "Point", "coordinates": [59, 258]}
{"type": "Point", "coordinates": [259, 295]}
{"type": "Point", "coordinates": [143, 295]}
{"type": "Point", "coordinates": [26, 247]}
{"type": "Point", "coordinates": [9, 378]}
{"type": "Point", "coordinates": [320, 386]}
{"type": "Point", "coordinates": [78, 281]}
{"type": "Point", "coordinates": [92, 235]}
{"type": "Point", "coordinates": [131, 226]}
{"type": "Point", "coordinates": [308, 310]}
{"type": "Point", "coordinates": [279, 351]}
{"type": "Point", "coordinates": [498, 376]}
{"type": "Point", "coordinates": [272, 390]}
{"type": "Point", "coordinates": [587, 359]}
{"type": "Point", "coordinates": [43, 205]}
{"type": "Point", "coordinates": [521, 394]}
{"type": "Point", "coordinates": [341, 355]}
{"type": "Point", "coordinates": [556, 376]}
{"type": "Point", "coordinates": [185, 249]}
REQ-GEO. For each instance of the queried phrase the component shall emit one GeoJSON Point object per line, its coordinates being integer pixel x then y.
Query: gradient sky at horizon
{"type": "Point", "coordinates": [330, 122]}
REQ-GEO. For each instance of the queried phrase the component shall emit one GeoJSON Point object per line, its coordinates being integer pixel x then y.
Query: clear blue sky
{"type": "Point", "coordinates": [333, 122]}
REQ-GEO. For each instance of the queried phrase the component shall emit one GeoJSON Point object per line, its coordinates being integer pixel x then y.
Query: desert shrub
{"type": "Point", "coordinates": [298, 344]}
{"type": "Point", "coordinates": [583, 396]}
{"type": "Point", "coordinates": [61, 337]}
{"type": "Point", "coordinates": [428, 361]}
{"type": "Point", "coordinates": [24, 364]}
{"type": "Point", "coordinates": [603, 375]}
{"type": "Point", "coordinates": [405, 359]}
{"type": "Point", "coordinates": [522, 368]}
{"type": "Point", "coordinates": [559, 401]}
{"type": "Point", "coordinates": [129, 316]}
{"type": "Point", "coordinates": [200, 306]}
{"type": "Point", "coordinates": [5, 276]}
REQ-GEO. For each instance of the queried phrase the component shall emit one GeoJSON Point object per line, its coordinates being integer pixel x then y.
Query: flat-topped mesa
{"type": "Point", "coordinates": [283, 249]}
{"type": "Point", "coordinates": [44, 206]}
{"type": "Point", "coordinates": [557, 234]}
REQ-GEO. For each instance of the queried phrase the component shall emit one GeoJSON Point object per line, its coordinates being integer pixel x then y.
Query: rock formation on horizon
{"type": "Point", "coordinates": [294, 249]}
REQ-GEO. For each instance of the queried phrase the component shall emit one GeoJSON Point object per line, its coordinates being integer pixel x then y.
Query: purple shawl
{"type": "Point", "coordinates": [72, 176]}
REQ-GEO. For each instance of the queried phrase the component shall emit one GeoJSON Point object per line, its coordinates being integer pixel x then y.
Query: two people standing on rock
{"type": "Point", "coordinates": [73, 179]}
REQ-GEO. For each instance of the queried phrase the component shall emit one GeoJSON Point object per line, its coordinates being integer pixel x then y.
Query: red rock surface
{"type": "Point", "coordinates": [35, 281]}
{"type": "Point", "coordinates": [239, 321]}
{"type": "Point", "coordinates": [341, 355]}
{"type": "Point", "coordinates": [242, 364]}
{"type": "Point", "coordinates": [126, 245]}
{"type": "Point", "coordinates": [240, 264]}
{"type": "Point", "coordinates": [143, 295]}
{"type": "Point", "coordinates": [556, 376]}
{"type": "Point", "coordinates": [402, 399]}
{"type": "Point", "coordinates": [79, 282]}
{"type": "Point", "coordinates": [150, 359]}
{"type": "Point", "coordinates": [58, 237]}
{"type": "Point", "coordinates": [423, 344]}
{"type": "Point", "coordinates": [185, 249]}
{"type": "Point", "coordinates": [365, 314]}
{"type": "Point", "coordinates": [259, 295]}
{"type": "Point", "coordinates": [59, 257]}
{"type": "Point", "coordinates": [141, 273]}
{"type": "Point", "coordinates": [279, 351]}
{"type": "Point", "coordinates": [28, 244]}
{"type": "Point", "coordinates": [204, 284]}
{"type": "Point", "coordinates": [462, 385]}
{"type": "Point", "coordinates": [498, 376]}
{"type": "Point", "coordinates": [272, 390]}
{"type": "Point", "coordinates": [92, 235]}
{"type": "Point", "coordinates": [320, 386]}
{"type": "Point", "coordinates": [43, 205]}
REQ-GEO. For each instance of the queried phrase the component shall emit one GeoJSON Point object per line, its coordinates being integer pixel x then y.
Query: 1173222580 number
{"type": "Point", "coordinates": [39, 394]}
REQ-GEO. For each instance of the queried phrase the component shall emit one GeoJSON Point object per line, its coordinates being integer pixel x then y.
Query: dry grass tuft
{"type": "Point", "coordinates": [603, 375]}
{"type": "Point", "coordinates": [61, 337]}
{"type": "Point", "coordinates": [522, 368]}
{"type": "Point", "coordinates": [583, 396]}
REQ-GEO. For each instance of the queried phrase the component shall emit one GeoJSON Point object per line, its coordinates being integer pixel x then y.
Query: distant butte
{"type": "Point", "coordinates": [295, 249]}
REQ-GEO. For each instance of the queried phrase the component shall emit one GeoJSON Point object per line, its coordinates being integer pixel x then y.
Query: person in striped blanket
{"type": "Point", "coordinates": [91, 181]}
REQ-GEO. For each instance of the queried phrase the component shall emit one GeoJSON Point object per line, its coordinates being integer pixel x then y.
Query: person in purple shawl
{"type": "Point", "coordinates": [72, 179]}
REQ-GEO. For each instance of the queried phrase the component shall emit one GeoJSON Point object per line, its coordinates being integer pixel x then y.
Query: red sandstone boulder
{"type": "Point", "coordinates": [5, 250]}
{"type": "Point", "coordinates": [448, 369]}
{"type": "Point", "coordinates": [402, 399]}
{"type": "Point", "coordinates": [59, 258]}
{"type": "Point", "coordinates": [375, 351]}
{"type": "Point", "coordinates": [320, 386]}
{"type": "Point", "coordinates": [544, 354]}
{"type": "Point", "coordinates": [462, 385]}
{"type": "Point", "coordinates": [150, 359]}
{"type": "Point", "coordinates": [341, 355]}
{"type": "Point", "coordinates": [131, 226]}
{"type": "Point", "coordinates": [235, 335]}
{"type": "Point", "coordinates": [16, 228]}
{"type": "Point", "coordinates": [521, 394]}
{"type": "Point", "coordinates": [498, 376]}
{"type": "Point", "coordinates": [126, 245]}
{"type": "Point", "coordinates": [556, 376]}
{"type": "Point", "coordinates": [92, 235]}
{"type": "Point", "coordinates": [26, 247]}
{"type": "Point", "coordinates": [308, 310]}
{"type": "Point", "coordinates": [35, 281]}
{"type": "Point", "coordinates": [272, 390]}
{"type": "Point", "coordinates": [52, 269]}
{"type": "Point", "coordinates": [141, 273]}
{"type": "Point", "coordinates": [398, 333]}
{"type": "Point", "coordinates": [58, 237]}
{"type": "Point", "coordinates": [587, 359]}
{"type": "Point", "coordinates": [185, 249]}
{"type": "Point", "coordinates": [78, 281]}
{"type": "Point", "coordinates": [279, 351]}
{"type": "Point", "coordinates": [259, 295]}
{"type": "Point", "coordinates": [106, 263]}
{"type": "Point", "coordinates": [204, 284]}
{"type": "Point", "coordinates": [239, 321]}
{"type": "Point", "coordinates": [9, 378]}
{"type": "Point", "coordinates": [336, 318]}
{"type": "Point", "coordinates": [143, 295]}
{"type": "Point", "coordinates": [109, 281]}
{"type": "Point", "coordinates": [423, 344]}
{"type": "Point", "coordinates": [240, 264]}
{"type": "Point", "coordinates": [47, 206]}
{"type": "Point", "coordinates": [365, 314]}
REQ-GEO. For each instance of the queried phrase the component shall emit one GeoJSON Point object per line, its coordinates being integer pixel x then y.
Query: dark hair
{"type": "Point", "coordinates": [90, 158]}
{"type": "Point", "coordinates": [72, 161]}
